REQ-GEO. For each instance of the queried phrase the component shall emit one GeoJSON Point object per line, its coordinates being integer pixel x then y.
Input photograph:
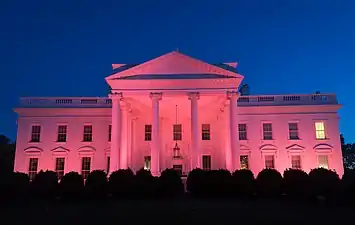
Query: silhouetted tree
{"type": "Point", "coordinates": [170, 183]}
{"type": "Point", "coordinates": [296, 183]}
{"type": "Point", "coordinates": [7, 155]}
{"type": "Point", "coordinates": [96, 184]}
{"type": "Point", "coordinates": [325, 183]}
{"type": "Point", "coordinates": [243, 183]}
{"type": "Point", "coordinates": [45, 185]}
{"type": "Point", "coordinates": [14, 187]}
{"type": "Point", "coordinates": [269, 183]}
{"type": "Point", "coordinates": [71, 186]}
{"type": "Point", "coordinates": [146, 185]}
{"type": "Point", "coordinates": [121, 183]}
{"type": "Point", "coordinates": [348, 151]}
{"type": "Point", "coordinates": [348, 185]}
{"type": "Point", "coordinates": [196, 182]}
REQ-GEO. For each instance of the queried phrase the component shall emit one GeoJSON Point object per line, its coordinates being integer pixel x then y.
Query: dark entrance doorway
{"type": "Point", "coordinates": [178, 169]}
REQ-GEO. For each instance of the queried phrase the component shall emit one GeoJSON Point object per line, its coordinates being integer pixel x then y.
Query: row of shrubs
{"type": "Point", "coordinates": [199, 183]}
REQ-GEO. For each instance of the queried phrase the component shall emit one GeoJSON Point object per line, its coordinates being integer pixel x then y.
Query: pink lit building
{"type": "Point", "coordinates": [178, 112]}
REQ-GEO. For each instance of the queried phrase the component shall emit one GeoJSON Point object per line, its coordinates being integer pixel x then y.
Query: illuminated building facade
{"type": "Point", "coordinates": [178, 112]}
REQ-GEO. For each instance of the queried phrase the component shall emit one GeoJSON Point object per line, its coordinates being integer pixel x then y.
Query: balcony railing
{"type": "Point", "coordinates": [283, 100]}
{"type": "Point", "coordinates": [66, 102]}
{"type": "Point", "coordinates": [251, 100]}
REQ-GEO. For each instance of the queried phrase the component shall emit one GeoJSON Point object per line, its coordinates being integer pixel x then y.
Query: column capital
{"type": "Point", "coordinates": [232, 94]}
{"type": "Point", "coordinates": [115, 96]}
{"type": "Point", "coordinates": [193, 95]}
{"type": "Point", "coordinates": [156, 95]}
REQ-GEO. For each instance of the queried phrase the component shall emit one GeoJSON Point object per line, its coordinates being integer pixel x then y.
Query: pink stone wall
{"type": "Point", "coordinates": [48, 149]}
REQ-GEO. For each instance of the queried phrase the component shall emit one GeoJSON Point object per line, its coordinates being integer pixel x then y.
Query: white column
{"type": "Point", "coordinates": [196, 154]}
{"type": "Point", "coordinates": [155, 148]}
{"type": "Point", "coordinates": [231, 160]}
{"type": "Point", "coordinates": [115, 131]}
{"type": "Point", "coordinates": [124, 136]}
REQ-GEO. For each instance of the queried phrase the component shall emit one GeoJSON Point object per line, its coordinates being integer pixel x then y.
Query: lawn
{"type": "Point", "coordinates": [182, 211]}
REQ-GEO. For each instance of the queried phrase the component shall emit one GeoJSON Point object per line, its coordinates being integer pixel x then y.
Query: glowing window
{"type": "Point", "coordinates": [206, 162]}
{"type": "Point", "coordinates": [33, 167]}
{"type": "Point", "coordinates": [323, 161]}
{"type": "Point", "coordinates": [242, 128]}
{"type": "Point", "coordinates": [320, 131]}
{"type": "Point", "coordinates": [244, 162]}
{"type": "Point", "coordinates": [206, 132]}
{"type": "Point", "coordinates": [59, 167]}
{"type": "Point", "coordinates": [85, 166]}
{"type": "Point", "coordinates": [296, 162]}
{"type": "Point", "coordinates": [269, 162]}
{"type": "Point", "coordinates": [147, 162]}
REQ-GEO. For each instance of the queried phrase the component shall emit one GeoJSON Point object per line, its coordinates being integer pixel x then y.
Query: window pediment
{"type": "Point", "coordinates": [33, 150]}
{"type": "Point", "coordinates": [295, 148]}
{"type": "Point", "coordinates": [86, 150]}
{"type": "Point", "coordinates": [323, 148]}
{"type": "Point", "coordinates": [268, 149]}
{"type": "Point", "coordinates": [60, 151]}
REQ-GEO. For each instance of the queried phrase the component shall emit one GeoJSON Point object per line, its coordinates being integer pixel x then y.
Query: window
{"type": "Point", "coordinates": [320, 131]}
{"type": "Point", "coordinates": [148, 132]}
{"type": "Point", "coordinates": [87, 133]}
{"type": "Point", "coordinates": [147, 160]}
{"type": "Point", "coordinates": [85, 166]}
{"type": "Point", "coordinates": [62, 133]}
{"type": "Point", "coordinates": [267, 131]}
{"type": "Point", "coordinates": [323, 161]}
{"type": "Point", "coordinates": [108, 164]}
{"type": "Point", "coordinates": [206, 132]}
{"type": "Point", "coordinates": [293, 131]}
{"type": "Point", "coordinates": [296, 162]}
{"type": "Point", "coordinates": [244, 162]}
{"type": "Point", "coordinates": [269, 162]}
{"type": "Point", "coordinates": [242, 128]}
{"type": "Point", "coordinates": [36, 133]}
{"type": "Point", "coordinates": [177, 130]}
{"type": "Point", "coordinates": [59, 167]}
{"type": "Point", "coordinates": [206, 162]}
{"type": "Point", "coordinates": [109, 132]}
{"type": "Point", "coordinates": [32, 169]}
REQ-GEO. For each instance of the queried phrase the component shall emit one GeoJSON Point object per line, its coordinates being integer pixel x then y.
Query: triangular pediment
{"type": "Point", "coordinates": [174, 63]}
{"type": "Point", "coordinates": [295, 147]}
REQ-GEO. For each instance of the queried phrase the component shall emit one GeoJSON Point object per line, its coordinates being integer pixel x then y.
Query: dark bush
{"type": "Point", "coordinates": [71, 186]}
{"type": "Point", "coordinates": [96, 184]}
{"type": "Point", "coordinates": [268, 183]}
{"type": "Point", "coordinates": [348, 185]}
{"type": "Point", "coordinates": [145, 184]}
{"type": "Point", "coordinates": [219, 183]}
{"type": "Point", "coordinates": [196, 182]}
{"type": "Point", "coordinates": [295, 183]}
{"type": "Point", "coordinates": [45, 185]}
{"type": "Point", "coordinates": [170, 183]}
{"type": "Point", "coordinates": [243, 183]}
{"type": "Point", "coordinates": [325, 183]}
{"type": "Point", "coordinates": [14, 187]}
{"type": "Point", "coordinates": [121, 183]}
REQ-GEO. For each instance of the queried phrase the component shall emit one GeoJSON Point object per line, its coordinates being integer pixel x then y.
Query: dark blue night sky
{"type": "Point", "coordinates": [66, 48]}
